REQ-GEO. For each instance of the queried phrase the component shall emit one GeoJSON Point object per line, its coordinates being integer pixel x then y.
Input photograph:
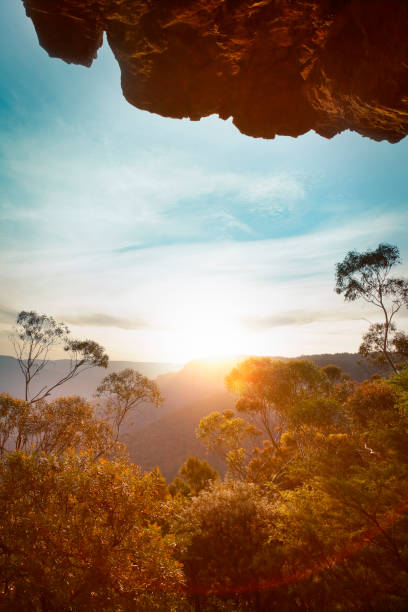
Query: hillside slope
{"type": "Point", "coordinates": [171, 439]}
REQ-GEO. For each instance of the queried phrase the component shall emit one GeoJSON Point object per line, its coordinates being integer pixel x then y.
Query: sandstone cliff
{"type": "Point", "coordinates": [275, 66]}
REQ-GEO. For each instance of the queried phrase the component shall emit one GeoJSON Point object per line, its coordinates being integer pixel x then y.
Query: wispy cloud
{"type": "Point", "coordinates": [296, 318]}
{"type": "Point", "coordinates": [65, 197]}
{"type": "Point", "coordinates": [275, 194]}
{"type": "Point", "coordinates": [104, 320]}
{"type": "Point", "coordinates": [7, 315]}
{"type": "Point", "coordinates": [272, 296]}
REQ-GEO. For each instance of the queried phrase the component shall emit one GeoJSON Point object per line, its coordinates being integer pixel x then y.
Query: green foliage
{"type": "Point", "coordinates": [270, 389]}
{"type": "Point", "coordinates": [359, 274]}
{"type": "Point", "coordinates": [315, 519]}
{"type": "Point", "coordinates": [400, 344]}
{"type": "Point", "coordinates": [179, 488]}
{"type": "Point", "coordinates": [15, 422]}
{"type": "Point", "coordinates": [198, 474]}
{"type": "Point", "coordinates": [400, 381]}
{"type": "Point", "coordinates": [338, 494]}
{"type": "Point", "coordinates": [372, 401]}
{"type": "Point", "coordinates": [87, 352]}
{"type": "Point", "coordinates": [324, 413]}
{"type": "Point", "coordinates": [292, 397]}
{"type": "Point", "coordinates": [160, 483]}
{"type": "Point", "coordinates": [333, 373]}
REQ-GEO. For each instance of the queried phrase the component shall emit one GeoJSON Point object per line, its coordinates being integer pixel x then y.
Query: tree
{"type": "Point", "coordinates": [268, 390]}
{"type": "Point", "coordinates": [15, 422]}
{"type": "Point", "coordinates": [278, 396]}
{"type": "Point", "coordinates": [35, 335]}
{"type": "Point", "coordinates": [400, 344]}
{"type": "Point", "coordinates": [338, 535]}
{"type": "Point", "coordinates": [127, 391]}
{"type": "Point", "coordinates": [229, 436]}
{"type": "Point", "coordinates": [179, 488]}
{"type": "Point", "coordinates": [76, 534]}
{"type": "Point", "coordinates": [224, 543]}
{"type": "Point", "coordinates": [198, 474]}
{"type": "Point", "coordinates": [333, 373]}
{"type": "Point", "coordinates": [367, 276]}
{"type": "Point", "coordinates": [66, 423]}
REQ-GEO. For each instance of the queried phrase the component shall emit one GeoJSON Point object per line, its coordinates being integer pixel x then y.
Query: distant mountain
{"type": "Point", "coordinates": [11, 380]}
{"type": "Point", "coordinates": [198, 378]}
{"type": "Point", "coordinates": [197, 381]}
{"type": "Point", "coordinates": [351, 363]}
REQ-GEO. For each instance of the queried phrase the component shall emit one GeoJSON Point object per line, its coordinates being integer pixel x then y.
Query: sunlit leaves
{"type": "Point", "coordinates": [81, 534]}
{"type": "Point", "coordinates": [54, 427]}
{"type": "Point", "coordinates": [228, 435]}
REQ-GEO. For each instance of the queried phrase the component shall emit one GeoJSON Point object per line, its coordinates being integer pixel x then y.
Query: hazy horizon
{"type": "Point", "coordinates": [199, 359]}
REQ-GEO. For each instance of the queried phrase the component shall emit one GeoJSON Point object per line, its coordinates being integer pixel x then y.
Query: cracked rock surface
{"type": "Point", "coordinates": [276, 66]}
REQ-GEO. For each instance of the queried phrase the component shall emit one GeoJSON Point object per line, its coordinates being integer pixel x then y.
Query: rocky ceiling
{"type": "Point", "coordinates": [275, 66]}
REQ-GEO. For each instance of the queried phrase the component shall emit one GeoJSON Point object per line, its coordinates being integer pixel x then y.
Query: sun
{"type": "Point", "coordinates": [206, 333]}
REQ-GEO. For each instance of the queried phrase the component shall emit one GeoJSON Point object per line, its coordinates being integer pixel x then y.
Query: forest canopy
{"type": "Point", "coordinates": [316, 513]}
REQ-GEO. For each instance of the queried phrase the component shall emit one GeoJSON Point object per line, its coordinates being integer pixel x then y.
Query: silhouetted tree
{"type": "Point", "coordinates": [35, 335]}
{"type": "Point", "coordinates": [367, 276]}
{"type": "Point", "coordinates": [127, 391]}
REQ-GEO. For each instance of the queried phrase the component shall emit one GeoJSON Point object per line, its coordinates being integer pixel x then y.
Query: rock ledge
{"type": "Point", "coordinates": [276, 66]}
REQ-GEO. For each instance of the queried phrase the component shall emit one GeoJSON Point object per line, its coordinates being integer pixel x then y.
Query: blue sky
{"type": "Point", "coordinates": [166, 239]}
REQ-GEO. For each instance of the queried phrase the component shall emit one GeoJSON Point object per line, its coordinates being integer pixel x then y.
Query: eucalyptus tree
{"type": "Point", "coordinates": [268, 390]}
{"type": "Point", "coordinates": [127, 391]}
{"type": "Point", "coordinates": [367, 276]}
{"type": "Point", "coordinates": [55, 427]}
{"type": "Point", "coordinates": [35, 335]}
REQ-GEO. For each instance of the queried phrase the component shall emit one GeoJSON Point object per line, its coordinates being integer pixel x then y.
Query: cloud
{"type": "Point", "coordinates": [294, 318]}
{"type": "Point", "coordinates": [104, 320]}
{"type": "Point", "coordinates": [63, 196]}
{"type": "Point", "coordinates": [7, 315]}
{"type": "Point", "coordinates": [274, 194]}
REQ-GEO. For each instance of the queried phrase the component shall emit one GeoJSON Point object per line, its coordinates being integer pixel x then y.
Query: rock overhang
{"type": "Point", "coordinates": [276, 67]}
